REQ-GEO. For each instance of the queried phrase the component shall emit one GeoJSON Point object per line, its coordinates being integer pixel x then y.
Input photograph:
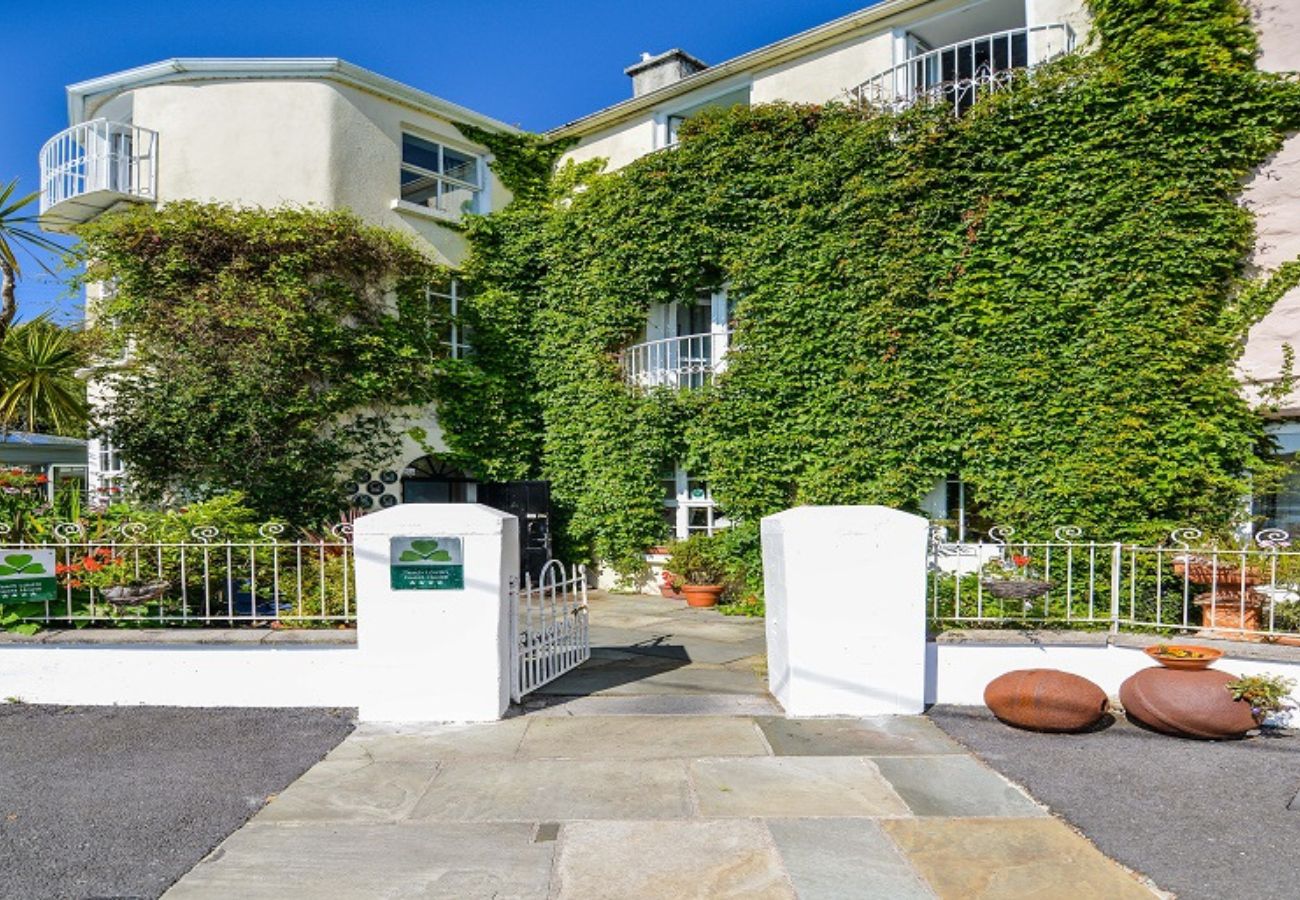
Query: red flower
{"type": "Point", "coordinates": [1020, 560]}
{"type": "Point", "coordinates": [42, 479]}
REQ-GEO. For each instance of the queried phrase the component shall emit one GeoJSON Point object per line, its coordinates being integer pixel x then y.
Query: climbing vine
{"type": "Point", "coordinates": [268, 350]}
{"type": "Point", "coordinates": [1045, 296]}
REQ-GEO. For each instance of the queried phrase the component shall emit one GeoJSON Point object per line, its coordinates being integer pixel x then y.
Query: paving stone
{"type": "Point", "coordinates": [660, 705]}
{"type": "Point", "coordinates": [830, 859]}
{"type": "Point", "coordinates": [880, 736]}
{"type": "Point", "coordinates": [788, 786]}
{"type": "Point", "coordinates": [954, 786]}
{"type": "Point", "coordinates": [388, 743]}
{"type": "Point", "coordinates": [555, 790]}
{"type": "Point", "coordinates": [630, 737]}
{"type": "Point", "coordinates": [352, 790]}
{"type": "Point", "coordinates": [700, 651]}
{"type": "Point", "coordinates": [682, 860]}
{"type": "Point", "coordinates": [655, 677]}
{"type": "Point", "coordinates": [989, 859]}
{"type": "Point", "coordinates": [345, 861]}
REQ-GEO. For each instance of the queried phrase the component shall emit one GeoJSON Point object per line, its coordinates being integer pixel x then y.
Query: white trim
{"type": "Point", "coordinates": [85, 97]}
{"type": "Point", "coordinates": [424, 212]}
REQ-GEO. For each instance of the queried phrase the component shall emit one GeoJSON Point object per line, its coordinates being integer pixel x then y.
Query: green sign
{"type": "Point", "coordinates": [27, 576]}
{"type": "Point", "coordinates": [426, 564]}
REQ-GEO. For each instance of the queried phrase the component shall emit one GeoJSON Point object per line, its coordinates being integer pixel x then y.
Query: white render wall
{"type": "Point", "coordinates": [1272, 193]}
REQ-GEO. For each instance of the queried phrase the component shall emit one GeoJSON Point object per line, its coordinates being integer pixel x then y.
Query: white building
{"type": "Point", "coordinates": [324, 132]}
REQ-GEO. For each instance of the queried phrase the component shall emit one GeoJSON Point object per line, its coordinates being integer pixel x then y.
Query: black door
{"type": "Point", "coordinates": [530, 502]}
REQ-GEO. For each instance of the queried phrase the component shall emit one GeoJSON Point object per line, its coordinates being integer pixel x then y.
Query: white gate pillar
{"type": "Point", "coordinates": [845, 595]}
{"type": "Point", "coordinates": [433, 612]}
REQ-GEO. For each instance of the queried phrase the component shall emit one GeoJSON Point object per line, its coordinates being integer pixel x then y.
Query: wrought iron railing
{"type": "Point", "coordinates": [551, 633]}
{"type": "Point", "coordinates": [960, 73]}
{"type": "Point", "coordinates": [1185, 585]}
{"type": "Point", "coordinates": [99, 155]}
{"type": "Point", "coordinates": [128, 577]}
{"type": "Point", "coordinates": [690, 361]}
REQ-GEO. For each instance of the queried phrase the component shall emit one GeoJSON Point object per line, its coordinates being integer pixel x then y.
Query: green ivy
{"type": "Point", "coordinates": [269, 350]}
{"type": "Point", "coordinates": [1046, 296]}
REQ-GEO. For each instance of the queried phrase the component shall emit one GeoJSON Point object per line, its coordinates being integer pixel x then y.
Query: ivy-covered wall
{"type": "Point", "coordinates": [1045, 296]}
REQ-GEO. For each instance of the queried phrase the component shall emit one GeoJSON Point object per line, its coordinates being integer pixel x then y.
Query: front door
{"type": "Point", "coordinates": [530, 503]}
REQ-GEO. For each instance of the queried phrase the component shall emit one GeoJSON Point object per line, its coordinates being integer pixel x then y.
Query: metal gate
{"type": "Point", "coordinates": [550, 627]}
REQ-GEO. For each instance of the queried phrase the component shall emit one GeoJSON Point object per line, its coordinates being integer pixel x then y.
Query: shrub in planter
{"type": "Point", "coordinates": [698, 568]}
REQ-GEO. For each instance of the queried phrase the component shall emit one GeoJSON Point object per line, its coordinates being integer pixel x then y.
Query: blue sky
{"type": "Point", "coordinates": [533, 64]}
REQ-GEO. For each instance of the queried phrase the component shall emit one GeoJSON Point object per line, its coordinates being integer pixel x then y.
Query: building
{"type": "Point", "coordinates": [62, 460]}
{"type": "Point", "coordinates": [324, 132]}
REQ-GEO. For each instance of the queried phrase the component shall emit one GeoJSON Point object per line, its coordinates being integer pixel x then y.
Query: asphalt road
{"type": "Point", "coordinates": [99, 802]}
{"type": "Point", "coordinates": [1203, 819]}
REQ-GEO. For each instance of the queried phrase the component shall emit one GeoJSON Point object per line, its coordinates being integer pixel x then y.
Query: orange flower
{"type": "Point", "coordinates": [92, 564]}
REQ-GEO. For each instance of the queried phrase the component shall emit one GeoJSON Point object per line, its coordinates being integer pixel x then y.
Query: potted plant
{"type": "Point", "coordinates": [668, 585]}
{"type": "Point", "coordinates": [1183, 656]}
{"type": "Point", "coordinates": [1234, 600]}
{"type": "Point", "coordinates": [116, 580]}
{"type": "Point", "coordinates": [697, 570]}
{"type": "Point", "coordinates": [1011, 579]}
{"type": "Point", "coordinates": [1268, 697]}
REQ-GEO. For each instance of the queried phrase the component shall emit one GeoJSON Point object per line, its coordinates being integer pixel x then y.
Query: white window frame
{"type": "Point", "coordinates": [682, 503]}
{"type": "Point", "coordinates": [665, 136]}
{"type": "Point", "coordinates": [476, 187]}
{"type": "Point", "coordinates": [458, 346]}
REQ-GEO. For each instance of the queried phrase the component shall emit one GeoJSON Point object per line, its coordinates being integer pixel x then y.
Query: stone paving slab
{"type": "Point", "coordinates": [661, 677]}
{"type": "Point", "coordinates": [641, 738]}
{"type": "Point", "coordinates": [879, 736]}
{"type": "Point", "coordinates": [548, 790]}
{"type": "Point", "coordinates": [656, 705]}
{"type": "Point", "coordinates": [954, 786]}
{"type": "Point", "coordinates": [353, 790]}
{"type": "Point", "coordinates": [1010, 859]}
{"type": "Point", "coordinates": [680, 860]}
{"type": "Point", "coordinates": [791, 786]}
{"type": "Point", "coordinates": [346, 861]}
{"type": "Point", "coordinates": [421, 743]}
{"type": "Point", "coordinates": [833, 859]}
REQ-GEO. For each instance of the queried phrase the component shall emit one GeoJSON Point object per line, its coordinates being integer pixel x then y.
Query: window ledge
{"type": "Point", "coordinates": [424, 212]}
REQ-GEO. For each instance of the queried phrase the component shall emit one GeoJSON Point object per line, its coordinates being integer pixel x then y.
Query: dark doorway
{"type": "Point", "coordinates": [530, 502]}
{"type": "Point", "coordinates": [431, 480]}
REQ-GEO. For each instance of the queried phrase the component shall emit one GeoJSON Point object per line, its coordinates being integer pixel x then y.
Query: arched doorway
{"type": "Point", "coordinates": [432, 480]}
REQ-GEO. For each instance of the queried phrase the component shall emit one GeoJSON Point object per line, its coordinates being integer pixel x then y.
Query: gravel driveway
{"type": "Point", "coordinates": [121, 801]}
{"type": "Point", "coordinates": [1203, 819]}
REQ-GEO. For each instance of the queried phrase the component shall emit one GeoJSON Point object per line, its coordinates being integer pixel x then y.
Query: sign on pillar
{"type": "Point", "coordinates": [433, 612]}
{"type": "Point", "coordinates": [845, 594]}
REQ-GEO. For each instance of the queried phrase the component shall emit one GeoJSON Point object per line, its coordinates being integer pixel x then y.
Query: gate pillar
{"type": "Point", "coordinates": [845, 594]}
{"type": "Point", "coordinates": [433, 611]}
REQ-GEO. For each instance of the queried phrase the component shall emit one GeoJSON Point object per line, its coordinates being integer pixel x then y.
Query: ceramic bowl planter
{"type": "Point", "coordinates": [701, 595]}
{"type": "Point", "coordinates": [1180, 656]}
{"type": "Point", "coordinates": [1046, 700]}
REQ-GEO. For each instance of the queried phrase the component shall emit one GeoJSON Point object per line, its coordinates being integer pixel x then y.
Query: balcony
{"type": "Point", "coordinates": [960, 73]}
{"type": "Point", "coordinates": [690, 361]}
{"type": "Point", "coordinates": [92, 167]}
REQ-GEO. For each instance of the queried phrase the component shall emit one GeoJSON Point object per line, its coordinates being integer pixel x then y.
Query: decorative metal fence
{"type": "Point", "coordinates": [689, 361]}
{"type": "Point", "coordinates": [126, 578]}
{"type": "Point", "coordinates": [99, 155]}
{"type": "Point", "coordinates": [1250, 591]}
{"type": "Point", "coordinates": [551, 631]}
{"type": "Point", "coordinates": [959, 73]}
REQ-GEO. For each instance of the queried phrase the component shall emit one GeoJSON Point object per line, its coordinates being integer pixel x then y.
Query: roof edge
{"type": "Point", "coordinates": [83, 93]}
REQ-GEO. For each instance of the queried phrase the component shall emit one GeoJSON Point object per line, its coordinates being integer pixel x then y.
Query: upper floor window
{"type": "Point", "coordinates": [445, 302]}
{"type": "Point", "coordinates": [440, 177]}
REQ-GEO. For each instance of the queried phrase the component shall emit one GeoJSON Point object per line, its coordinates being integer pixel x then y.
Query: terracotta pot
{"type": "Point", "coordinates": [702, 594]}
{"type": "Point", "coordinates": [1045, 700]}
{"type": "Point", "coordinates": [1188, 704]}
{"type": "Point", "coordinates": [1205, 656]}
{"type": "Point", "coordinates": [669, 593]}
{"type": "Point", "coordinates": [1202, 570]}
{"type": "Point", "coordinates": [1227, 612]}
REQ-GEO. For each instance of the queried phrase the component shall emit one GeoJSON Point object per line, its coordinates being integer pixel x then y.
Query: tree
{"type": "Point", "coordinates": [16, 230]}
{"type": "Point", "coordinates": [39, 387]}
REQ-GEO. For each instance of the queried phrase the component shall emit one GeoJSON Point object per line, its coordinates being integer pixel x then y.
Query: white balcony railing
{"type": "Point", "coordinates": [689, 361]}
{"type": "Point", "coordinates": [97, 163]}
{"type": "Point", "coordinates": [961, 72]}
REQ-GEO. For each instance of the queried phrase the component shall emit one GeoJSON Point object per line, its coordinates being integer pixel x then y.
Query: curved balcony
{"type": "Point", "coordinates": [91, 167]}
{"type": "Point", "coordinates": [689, 361]}
{"type": "Point", "coordinates": [960, 73]}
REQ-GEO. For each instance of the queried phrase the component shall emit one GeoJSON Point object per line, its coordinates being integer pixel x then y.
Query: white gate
{"type": "Point", "coordinates": [550, 627]}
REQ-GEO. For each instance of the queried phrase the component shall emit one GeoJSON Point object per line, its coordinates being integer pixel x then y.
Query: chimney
{"type": "Point", "coordinates": [654, 72]}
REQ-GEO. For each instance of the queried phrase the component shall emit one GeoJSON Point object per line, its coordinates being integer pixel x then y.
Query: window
{"type": "Point", "coordinates": [688, 504]}
{"type": "Point", "coordinates": [1282, 508]}
{"type": "Point", "coordinates": [445, 306]}
{"type": "Point", "coordinates": [439, 177]}
{"type": "Point", "coordinates": [109, 462]}
{"type": "Point", "coordinates": [673, 121]}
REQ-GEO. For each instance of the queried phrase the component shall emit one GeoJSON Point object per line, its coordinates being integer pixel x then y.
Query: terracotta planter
{"type": "Point", "coordinates": [1204, 658]}
{"type": "Point", "coordinates": [1227, 577]}
{"type": "Point", "coordinates": [1228, 613]}
{"type": "Point", "coordinates": [1045, 700]}
{"type": "Point", "coordinates": [669, 593]}
{"type": "Point", "coordinates": [1187, 704]}
{"type": "Point", "coordinates": [702, 594]}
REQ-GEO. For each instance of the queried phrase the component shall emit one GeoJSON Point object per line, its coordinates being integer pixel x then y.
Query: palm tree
{"type": "Point", "coordinates": [17, 229]}
{"type": "Point", "coordinates": [39, 387]}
